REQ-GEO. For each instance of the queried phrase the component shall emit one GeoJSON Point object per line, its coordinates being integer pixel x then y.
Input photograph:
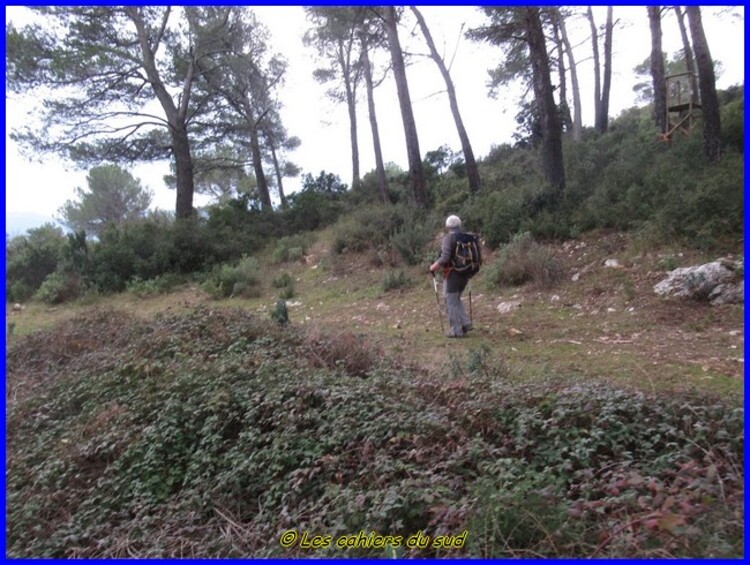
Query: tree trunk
{"type": "Point", "coordinates": [565, 117]}
{"type": "Point", "coordinates": [601, 126]}
{"type": "Point", "coordinates": [183, 161]}
{"type": "Point", "coordinates": [260, 176]}
{"type": "Point", "coordinates": [657, 69]}
{"type": "Point", "coordinates": [176, 116]}
{"type": "Point", "coordinates": [416, 172]}
{"type": "Point", "coordinates": [351, 104]}
{"type": "Point", "coordinates": [379, 165]}
{"type": "Point", "coordinates": [279, 176]}
{"type": "Point", "coordinates": [472, 171]}
{"type": "Point", "coordinates": [597, 67]}
{"type": "Point", "coordinates": [551, 148]}
{"type": "Point", "coordinates": [688, 52]}
{"type": "Point", "coordinates": [577, 118]}
{"type": "Point", "coordinates": [707, 84]}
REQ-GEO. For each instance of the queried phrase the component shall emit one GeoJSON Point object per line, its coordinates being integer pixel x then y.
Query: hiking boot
{"type": "Point", "coordinates": [467, 328]}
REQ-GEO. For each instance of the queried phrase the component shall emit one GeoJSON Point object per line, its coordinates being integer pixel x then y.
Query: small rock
{"type": "Point", "coordinates": [612, 263]}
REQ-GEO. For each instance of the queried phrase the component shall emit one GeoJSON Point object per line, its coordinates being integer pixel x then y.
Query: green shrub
{"type": "Point", "coordinates": [395, 280]}
{"type": "Point", "coordinates": [412, 237]}
{"type": "Point", "coordinates": [365, 228]}
{"type": "Point", "coordinates": [285, 283]}
{"type": "Point", "coordinates": [60, 287]}
{"type": "Point", "coordinates": [152, 287]}
{"type": "Point", "coordinates": [524, 260]}
{"type": "Point", "coordinates": [497, 216]}
{"type": "Point", "coordinates": [285, 279]}
{"type": "Point", "coordinates": [291, 248]}
{"type": "Point", "coordinates": [318, 204]}
{"type": "Point", "coordinates": [240, 280]}
{"type": "Point", "coordinates": [287, 292]}
{"type": "Point", "coordinates": [733, 122]}
{"type": "Point", "coordinates": [31, 258]}
{"type": "Point", "coordinates": [19, 291]}
{"type": "Point", "coordinates": [296, 253]}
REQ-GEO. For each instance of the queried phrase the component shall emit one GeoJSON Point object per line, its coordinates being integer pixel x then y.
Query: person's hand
{"type": "Point", "coordinates": [434, 267]}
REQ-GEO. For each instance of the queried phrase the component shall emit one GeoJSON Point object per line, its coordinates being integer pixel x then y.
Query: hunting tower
{"type": "Point", "coordinates": [683, 103]}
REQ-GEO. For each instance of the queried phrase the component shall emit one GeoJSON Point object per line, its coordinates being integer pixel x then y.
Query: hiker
{"type": "Point", "coordinates": [454, 282]}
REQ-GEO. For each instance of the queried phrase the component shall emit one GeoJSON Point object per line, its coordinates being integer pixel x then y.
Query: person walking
{"type": "Point", "coordinates": [454, 282]}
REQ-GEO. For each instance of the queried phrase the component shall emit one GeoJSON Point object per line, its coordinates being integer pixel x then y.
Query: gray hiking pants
{"type": "Point", "coordinates": [458, 319]}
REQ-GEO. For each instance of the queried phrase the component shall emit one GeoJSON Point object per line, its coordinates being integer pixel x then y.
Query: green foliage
{"type": "Point", "coordinates": [114, 196]}
{"type": "Point", "coordinates": [412, 237]}
{"type": "Point", "coordinates": [285, 279]}
{"type": "Point", "coordinates": [30, 259]}
{"type": "Point", "coordinates": [524, 260]}
{"type": "Point", "coordinates": [394, 280]}
{"type": "Point", "coordinates": [280, 314]}
{"type": "Point", "coordinates": [624, 179]}
{"type": "Point", "coordinates": [162, 284]}
{"type": "Point", "coordinates": [60, 287]}
{"type": "Point", "coordinates": [519, 511]}
{"type": "Point", "coordinates": [318, 204]}
{"type": "Point", "coordinates": [382, 228]}
{"type": "Point", "coordinates": [367, 228]}
{"type": "Point", "coordinates": [241, 280]}
{"type": "Point", "coordinates": [703, 209]}
{"type": "Point", "coordinates": [292, 248]}
{"type": "Point", "coordinates": [158, 435]}
{"type": "Point", "coordinates": [285, 283]}
{"type": "Point", "coordinates": [237, 227]}
{"type": "Point", "coordinates": [733, 120]}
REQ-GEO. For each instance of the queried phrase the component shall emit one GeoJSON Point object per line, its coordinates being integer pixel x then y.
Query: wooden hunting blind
{"type": "Point", "coordinates": [683, 103]}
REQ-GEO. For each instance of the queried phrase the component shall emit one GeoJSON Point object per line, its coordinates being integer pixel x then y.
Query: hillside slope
{"type": "Point", "coordinates": [593, 420]}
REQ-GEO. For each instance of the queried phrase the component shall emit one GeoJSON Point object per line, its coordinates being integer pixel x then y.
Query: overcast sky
{"type": "Point", "coordinates": [38, 189]}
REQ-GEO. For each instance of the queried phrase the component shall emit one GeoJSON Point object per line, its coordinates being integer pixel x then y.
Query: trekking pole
{"type": "Point", "coordinates": [471, 316]}
{"type": "Point", "coordinates": [437, 298]}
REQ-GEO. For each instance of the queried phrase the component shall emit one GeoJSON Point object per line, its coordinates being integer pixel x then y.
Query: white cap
{"type": "Point", "coordinates": [453, 222]}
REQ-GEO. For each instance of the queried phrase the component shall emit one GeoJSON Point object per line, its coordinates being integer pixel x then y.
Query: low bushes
{"type": "Point", "coordinates": [525, 261]}
{"type": "Point", "coordinates": [239, 280]}
{"type": "Point", "coordinates": [212, 432]}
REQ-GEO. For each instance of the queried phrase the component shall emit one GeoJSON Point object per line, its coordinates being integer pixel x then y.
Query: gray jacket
{"type": "Point", "coordinates": [454, 281]}
{"type": "Point", "coordinates": [447, 247]}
